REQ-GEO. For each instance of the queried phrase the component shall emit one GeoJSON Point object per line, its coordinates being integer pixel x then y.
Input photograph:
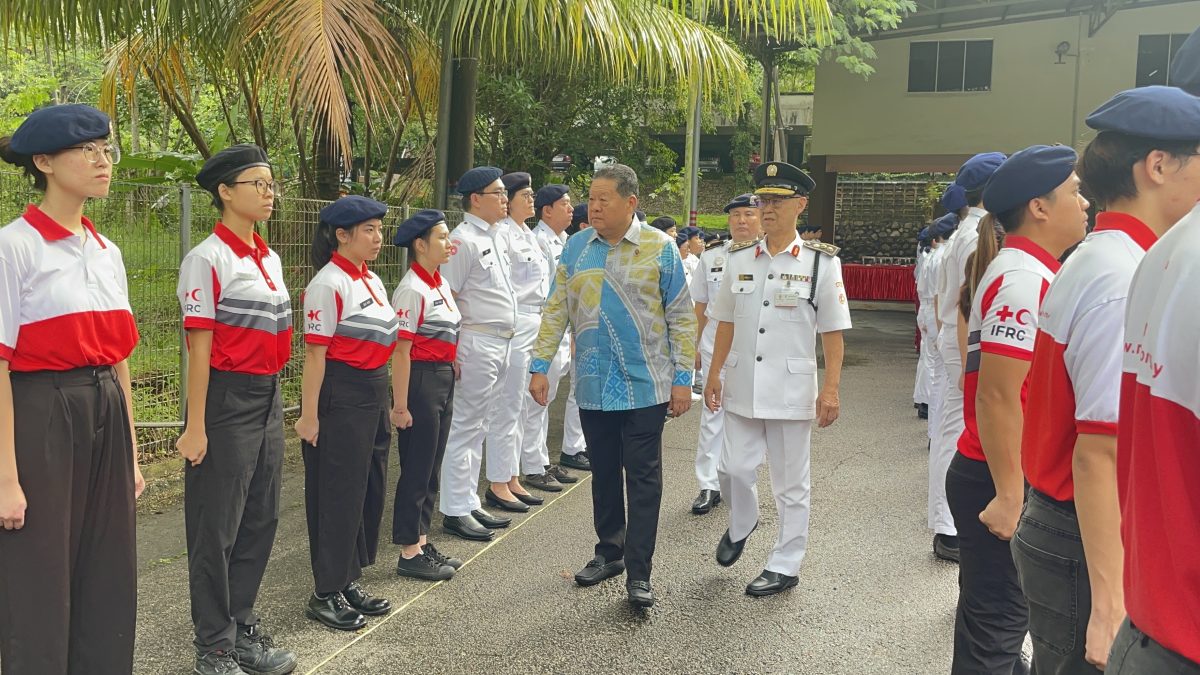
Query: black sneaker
{"type": "Point", "coordinates": [217, 663]}
{"type": "Point", "coordinates": [581, 461]}
{"type": "Point", "coordinates": [560, 474]}
{"type": "Point", "coordinates": [543, 481]}
{"type": "Point", "coordinates": [423, 567]}
{"type": "Point", "coordinates": [432, 552]}
{"type": "Point", "coordinates": [258, 655]}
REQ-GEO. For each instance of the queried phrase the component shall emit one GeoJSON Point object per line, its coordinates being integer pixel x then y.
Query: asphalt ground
{"type": "Point", "coordinates": [871, 599]}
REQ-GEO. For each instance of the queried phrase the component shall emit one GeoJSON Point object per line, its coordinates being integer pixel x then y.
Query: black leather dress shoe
{"type": "Point", "coordinates": [515, 505]}
{"type": "Point", "coordinates": [945, 547]}
{"type": "Point", "coordinates": [532, 500]}
{"type": "Point", "coordinates": [333, 611]}
{"type": "Point", "coordinates": [431, 551]}
{"type": "Point", "coordinates": [598, 570]}
{"type": "Point", "coordinates": [581, 461]}
{"type": "Point", "coordinates": [706, 501]}
{"type": "Point", "coordinates": [364, 602]}
{"type": "Point", "coordinates": [728, 551]}
{"type": "Point", "coordinates": [640, 594]}
{"type": "Point", "coordinates": [489, 521]}
{"type": "Point", "coordinates": [466, 527]}
{"type": "Point", "coordinates": [257, 654]}
{"type": "Point", "coordinates": [770, 583]}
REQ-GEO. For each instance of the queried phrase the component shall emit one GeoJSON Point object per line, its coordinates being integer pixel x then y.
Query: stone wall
{"type": "Point", "coordinates": [879, 218]}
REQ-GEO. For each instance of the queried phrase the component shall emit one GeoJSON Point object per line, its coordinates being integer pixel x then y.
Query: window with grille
{"type": "Point", "coordinates": [950, 65]}
{"type": "Point", "coordinates": [1155, 53]}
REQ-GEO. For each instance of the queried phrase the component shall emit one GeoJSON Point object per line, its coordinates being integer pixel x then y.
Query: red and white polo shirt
{"type": "Point", "coordinates": [1004, 320]}
{"type": "Point", "coordinates": [428, 316]}
{"type": "Point", "coordinates": [64, 299]}
{"type": "Point", "coordinates": [237, 292]}
{"type": "Point", "coordinates": [1077, 356]}
{"type": "Point", "coordinates": [1158, 442]}
{"type": "Point", "coordinates": [346, 310]}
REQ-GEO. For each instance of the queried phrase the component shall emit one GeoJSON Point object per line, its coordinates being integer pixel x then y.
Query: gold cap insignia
{"type": "Point", "coordinates": [772, 169]}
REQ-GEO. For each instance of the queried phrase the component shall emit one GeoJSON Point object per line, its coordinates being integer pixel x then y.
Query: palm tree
{"type": "Point", "coordinates": [315, 61]}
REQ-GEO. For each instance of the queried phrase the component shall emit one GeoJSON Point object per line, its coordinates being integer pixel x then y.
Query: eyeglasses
{"type": "Point", "coordinates": [265, 188]}
{"type": "Point", "coordinates": [91, 152]}
{"type": "Point", "coordinates": [775, 201]}
{"type": "Point", "coordinates": [494, 192]}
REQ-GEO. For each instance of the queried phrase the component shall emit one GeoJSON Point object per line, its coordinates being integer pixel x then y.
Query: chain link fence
{"type": "Point", "coordinates": [155, 226]}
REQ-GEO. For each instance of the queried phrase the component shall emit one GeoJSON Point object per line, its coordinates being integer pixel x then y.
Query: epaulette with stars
{"type": "Point", "coordinates": [715, 243]}
{"type": "Point", "coordinates": [822, 247]}
{"type": "Point", "coordinates": [742, 245]}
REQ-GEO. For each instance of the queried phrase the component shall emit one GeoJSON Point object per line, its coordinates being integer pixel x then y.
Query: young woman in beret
{"type": "Point", "coordinates": [68, 456]}
{"type": "Point", "coordinates": [423, 376]}
{"type": "Point", "coordinates": [238, 319]}
{"type": "Point", "coordinates": [349, 335]}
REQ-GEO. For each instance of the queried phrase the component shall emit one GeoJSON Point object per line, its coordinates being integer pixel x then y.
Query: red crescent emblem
{"type": "Point", "coordinates": [1026, 313]}
{"type": "Point", "coordinates": [314, 315]}
{"type": "Point", "coordinates": [195, 295]}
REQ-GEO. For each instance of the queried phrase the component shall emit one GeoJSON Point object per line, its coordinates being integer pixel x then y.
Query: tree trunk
{"type": "Point", "coordinates": [325, 159]}
{"type": "Point", "coordinates": [461, 156]}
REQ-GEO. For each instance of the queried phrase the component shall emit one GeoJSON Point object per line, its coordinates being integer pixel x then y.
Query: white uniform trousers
{"type": "Point", "coordinates": [483, 360]}
{"type": "Point", "coordinates": [535, 454]}
{"type": "Point", "coordinates": [937, 384]}
{"type": "Point", "coordinates": [944, 444]}
{"type": "Point", "coordinates": [504, 432]}
{"type": "Point", "coordinates": [712, 433]}
{"type": "Point", "coordinates": [573, 441]}
{"type": "Point", "coordinates": [787, 443]}
{"type": "Point", "coordinates": [923, 387]}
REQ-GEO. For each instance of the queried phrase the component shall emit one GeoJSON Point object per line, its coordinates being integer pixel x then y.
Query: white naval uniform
{"type": "Point", "coordinates": [770, 388]}
{"type": "Point", "coordinates": [923, 382]}
{"type": "Point", "coordinates": [952, 274]}
{"type": "Point", "coordinates": [929, 347]}
{"type": "Point", "coordinates": [706, 282]}
{"type": "Point", "coordinates": [478, 275]}
{"type": "Point", "coordinates": [530, 284]}
{"type": "Point", "coordinates": [535, 453]}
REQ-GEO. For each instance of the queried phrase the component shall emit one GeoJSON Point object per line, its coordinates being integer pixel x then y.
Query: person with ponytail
{"type": "Point", "coordinates": [423, 377]}
{"type": "Point", "coordinates": [1035, 198]}
{"type": "Point", "coordinates": [349, 335]}
{"type": "Point", "coordinates": [68, 455]}
{"type": "Point", "coordinates": [238, 319]}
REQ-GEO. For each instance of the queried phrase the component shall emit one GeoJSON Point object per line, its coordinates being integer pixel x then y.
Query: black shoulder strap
{"type": "Point", "coordinates": [812, 290]}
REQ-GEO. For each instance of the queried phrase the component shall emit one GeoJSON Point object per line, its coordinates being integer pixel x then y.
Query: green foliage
{"type": "Point", "coordinates": [162, 168]}
{"type": "Point", "coordinates": [31, 78]}
{"type": "Point", "coordinates": [843, 42]}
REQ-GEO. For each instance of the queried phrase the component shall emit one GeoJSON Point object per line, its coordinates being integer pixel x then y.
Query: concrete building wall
{"type": "Point", "coordinates": [1032, 98]}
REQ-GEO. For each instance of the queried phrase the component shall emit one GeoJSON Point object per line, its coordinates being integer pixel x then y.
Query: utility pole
{"type": "Point", "coordinates": [692, 149]}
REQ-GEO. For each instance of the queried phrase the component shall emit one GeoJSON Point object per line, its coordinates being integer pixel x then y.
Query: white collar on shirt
{"type": "Point", "coordinates": [477, 221]}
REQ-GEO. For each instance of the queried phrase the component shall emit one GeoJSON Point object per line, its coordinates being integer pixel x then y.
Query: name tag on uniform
{"type": "Point", "coordinates": [487, 251]}
{"type": "Point", "coordinates": [438, 302]}
{"type": "Point", "coordinates": [716, 269]}
{"type": "Point", "coordinates": [745, 277]}
{"type": "Point", "coordinates": [787, 298]}
{"type": "Point", "coordinates": [365, 303]}
{"type": "Point", "coordinates": [802, 278]}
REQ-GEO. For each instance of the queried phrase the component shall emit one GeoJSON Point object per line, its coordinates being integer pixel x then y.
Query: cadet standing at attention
{"type": "Point", "coordinates": [68, 456]}
{"type": "Point", "coordinates": [238, 319]}
{"type": "Point", "coordinates": [743, 219]}
{"type": "Point", "coordinates": [777, 294]}
{"type": "Point", "coordinates": [349, 335]}
{"type": "Point", "coordinates": [479, 277]}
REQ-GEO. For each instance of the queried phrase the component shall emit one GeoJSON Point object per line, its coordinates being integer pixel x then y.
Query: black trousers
{"type": "Point", "coordinates": [1135, 653]}
{"type": "Point", "coordinates": [1048, 552]}
{"type": "Point", "coordinates": [344, 474]}
{"type": "Point", "coordinates": [625, 448]}
{"type": "Point", "coordinates": [231, 504]}
{"type": "Point", "coordinates": [992, 618]}
{"type": "Point", "coordinates": [421, 448]}
{"type": "Point", "coordinates": [68, 578]}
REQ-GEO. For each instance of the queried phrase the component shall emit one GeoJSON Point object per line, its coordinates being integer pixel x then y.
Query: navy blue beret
{"type": "Point", "coordinates": [641, 215]}
{"type": "Point", "coordinates": [681, 239]}
{"type": "Point", "coordinates": [942, 227]}
{"type": "Point", "coordinates": [421, 222]}
{"type": "Point", "coordinates": [55, 127]}
{"type": "Point", "coordinates": [781, 178]}
{"type": "Point", "coordinates": [516, 181]}
{"type": "Point", "coordinates": [580, 215]}
{"type": "Point", "coordinates": [477, 179]}
{"type": "Point", "coordinates": [808, 228]}
{"type": "Point", "coordinates": [975, 172]}
{"type": "Point", "coordinates": [1030, 173]}
{"type": "Point", "coordinates": [691, 231]}
{"type": "Point", "coordinates": [1185, 65]}
{"type": "Point", "coordinates": [742, 201]}
{"type": "Point", "coordinates": [1163, 113]}
{"type": "Point", "coordinates": [549, 194]}
{"type": "Point", "coordinates": [923, 235]}
{"type": "Point", "coordinates": [954, 198]}
{"type": "Point", "coordinates": [352, 210]}
{"type": "Point", "coordinates": [228, 163]}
